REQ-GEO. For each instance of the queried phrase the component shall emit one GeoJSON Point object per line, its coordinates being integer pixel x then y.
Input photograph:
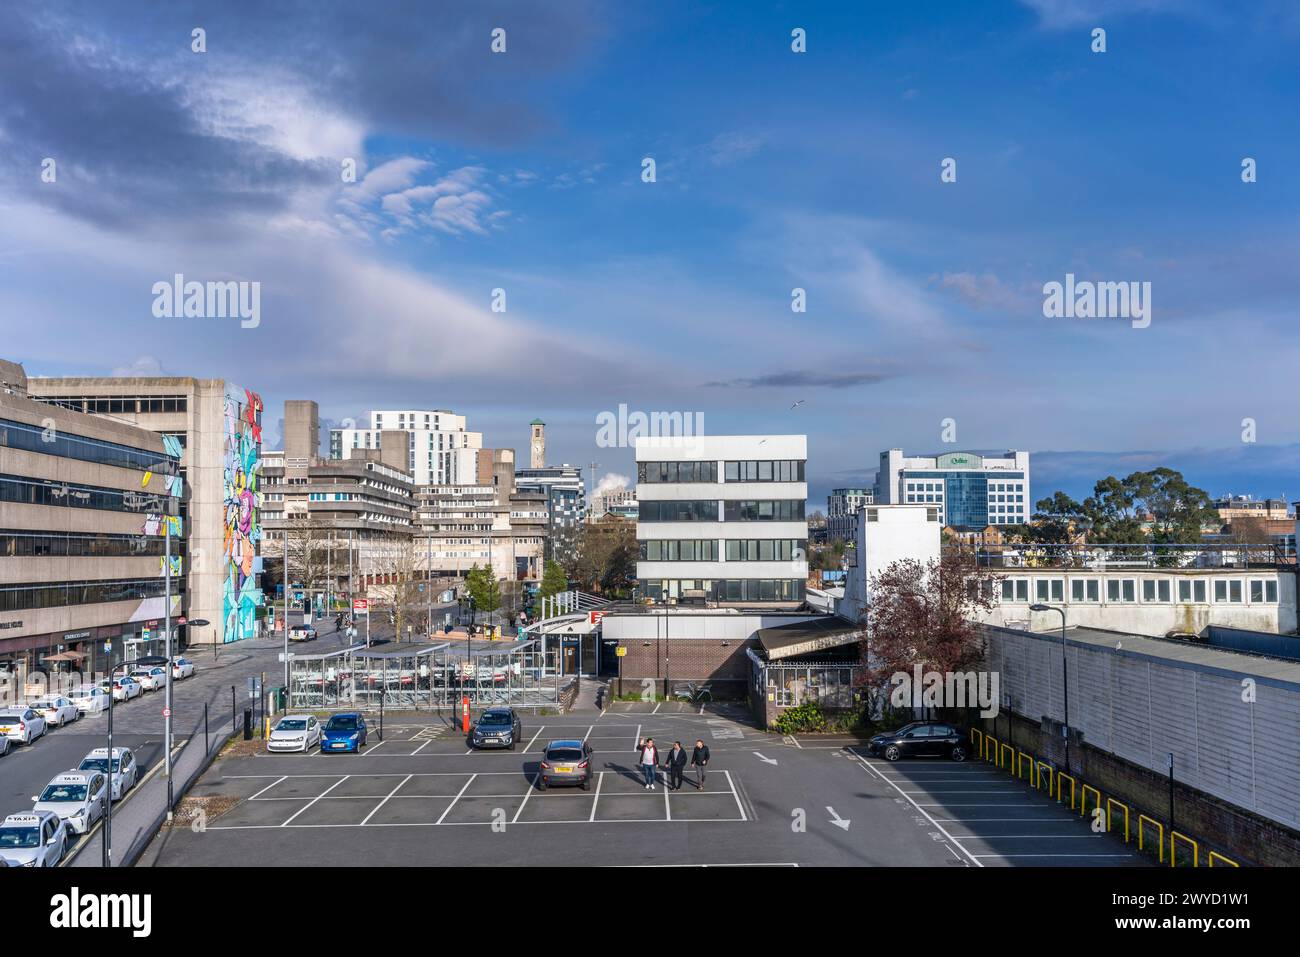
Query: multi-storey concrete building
{"type": "Point", "coordinates": [970, 490]}
{"type": "Point", "coordinates": [721, 519]}
{"type": "Point", "coordinates": [437, 449]}
{"type": "Point", "coordinates": [217, 427]}
{"type": "Point", "coordinates": [85, 508]}
{"type": "Point", "coordinates": [566, 502]}
{"type": "Point", "coordinates": [460, 526]}
{"type": "Point", "coordinates": [842, 508]}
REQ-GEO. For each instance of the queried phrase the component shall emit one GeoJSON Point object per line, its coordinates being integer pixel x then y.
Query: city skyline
{"type": "Point", "coordinates": [521, 171]}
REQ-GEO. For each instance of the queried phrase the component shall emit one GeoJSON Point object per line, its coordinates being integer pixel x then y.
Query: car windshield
{"type": "Point", "coordinates": [20, 837]}
{"type": "Point", "coordinates": [10, 718]}
{"type": "Point", "coordinates": [495, 717]}
{"type": "Point", "coordinates": [294, 724]}
{"type": "Point", "coordinates": [99, 764]}
{"type": "Point", "coordinates": [64, 792]}
{"type": "Point", "coordinates": [342, 723]}
{"type": "Point", "coordinates": [564, 754]}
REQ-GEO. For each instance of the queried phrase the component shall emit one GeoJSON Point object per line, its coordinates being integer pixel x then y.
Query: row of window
{"type": "Point", "coordinates": [743, 589]}
{"type": "Point", "coordinates": [33, 438]}
{"type": "Point", "coordinates": [777, 510]}
{"type": "Point", "coordinates": [68, 495]}
{"type": "Point", "coordinates": [780, 470]}
{"type": "Point", "coordinates": [736, 550]}
{"type": "Point", "coordinates": [667, 472]}
{"type": "Point", "coordinates": [27, 597]}
{"type": "Point", "coordinates": [121, 405]}
{"type": "Point", "coordinates": [1157, 590]}
{"type": "Point", "coordinates": [15, 544]}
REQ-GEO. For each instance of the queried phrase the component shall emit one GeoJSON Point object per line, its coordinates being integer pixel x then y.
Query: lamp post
{"type": "Point", "coordinates": [1065, 675]}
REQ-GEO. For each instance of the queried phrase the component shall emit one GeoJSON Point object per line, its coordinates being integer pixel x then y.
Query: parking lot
{"type": "Point", "coordinates": [422, 797]}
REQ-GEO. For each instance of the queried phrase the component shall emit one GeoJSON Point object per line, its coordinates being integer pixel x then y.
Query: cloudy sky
{"type": "Point", "coordinates": [521, 171]}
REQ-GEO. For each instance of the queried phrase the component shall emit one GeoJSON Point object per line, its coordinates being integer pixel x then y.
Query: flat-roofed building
{"type": "Point", "coordinates": [85, 503]}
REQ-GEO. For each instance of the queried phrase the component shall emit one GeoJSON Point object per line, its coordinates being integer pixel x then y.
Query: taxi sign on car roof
{"type": "Point", "coordinates": [22, 820]}
{"type": "Point", "coordinates": [71, 777]}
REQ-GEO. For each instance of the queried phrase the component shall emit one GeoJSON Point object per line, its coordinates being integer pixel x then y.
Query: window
{"type": "Point", "coordinates": [783, 470]}
{"type": "Point", "coordinates": [1121, 590]}
{"type": "Point", "coordinates": [1220, 590]}
{"type": "Point", "coordinates": [1234, 590]}
{"type": "Point", "coordinates": [1049, 589]}
{"type": "Point", "coordinates": [776, 510]}
{"type": "Point", "coordinates": [1155, 589]}
{"type": "Point", "coordinates": [31, 438]}
{"type": "Point", "coordinates": [1015, 589]}
{"type": "Point", "coordinates": [680, 511]}
{"type": "Point", "coordinates": [666, 472]}
{"type": "Point", "coordinates": [1084, 589]}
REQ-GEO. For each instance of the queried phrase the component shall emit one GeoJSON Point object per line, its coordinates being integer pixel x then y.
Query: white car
{"type": "Point", "coordinates": [151, 679]}
{"type": "Point", "coordinates": [182, 668]}
{"type": "Point", "coordinates": [124, 689]}
{"type": "Point", "coordinates": [4, 745]}
{"type": "Point", "coordinates": [294, 732]}
{"type": "Point", "coordinates": [56, 710]}
{"type": "Point", "coordinates": [126, 770]}
{"type": "Point", "coordinates": [22, 724]}
{"type": "Point", "coordinates": [90, 699]}
{"type": "Point", "coordinates": [78, 797]}
{"type": "Point", "coordinates": [33, 839]}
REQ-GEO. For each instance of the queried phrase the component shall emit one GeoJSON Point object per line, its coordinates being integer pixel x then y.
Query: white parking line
{"type": "Point", "coordinates": [942, 830]}
{"type": "Point", "coordinates": [531, 788]}
{"type": "Point", "coordinates": [657, 707]}
{"type": "Point", "coordinates": [731, 784]}
{"type": "Point", "coordinates": [668, 811]}
{"type": "Point", "coordinates": [600, 779]}
{"type": "Point", "coordinates": [385, 800]}
{"type": "Point", "coordinates": [316, 798]}
{"type": "Point", "coordinates": [1052, 855]}
{"type": "Point", "coordinates": [265, 789]}
{"type": "Point", "coordinates": [529, 745]}
{"type": "Point", "coordinates": [588, 734]}
{"type": "Point", "coordinates": [375, 747]}
{"type": "Point", "coordinates": [638, 737]}
{"type": "Point", "coordinates": [456, 798]}
{"type": "Point", "coordinates": [421, 748]}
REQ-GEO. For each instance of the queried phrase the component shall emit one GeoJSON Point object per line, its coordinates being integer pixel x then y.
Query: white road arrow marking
{"type": "Point", "coordinates": [838, 821]}
{"type": "Point", "coordinates": [761, 758]}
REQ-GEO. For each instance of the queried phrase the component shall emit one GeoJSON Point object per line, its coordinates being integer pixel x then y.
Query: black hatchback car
{"type": "Point", "coordinates": [497, 728]}
{"type": "Point", "coordinates": [920, 739]}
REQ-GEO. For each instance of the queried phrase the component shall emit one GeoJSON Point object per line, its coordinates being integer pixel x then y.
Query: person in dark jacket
{"type": "Point", "coordinates": [699, 760]}
{"type": "Point", "coordinates": [675, 762]}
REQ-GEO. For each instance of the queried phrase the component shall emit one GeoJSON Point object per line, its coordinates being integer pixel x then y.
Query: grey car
{"type": "Point", "coordinates": [565, 762]}
{"type": "Point", "coordinates": [497, 728]}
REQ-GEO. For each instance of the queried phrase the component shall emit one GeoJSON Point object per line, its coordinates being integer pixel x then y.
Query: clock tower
{"type": "Point", "coordinates": [538, 443]}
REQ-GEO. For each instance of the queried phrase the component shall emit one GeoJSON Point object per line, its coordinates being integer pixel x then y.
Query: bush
{"type": "Point", "coordinates": [803, 718]}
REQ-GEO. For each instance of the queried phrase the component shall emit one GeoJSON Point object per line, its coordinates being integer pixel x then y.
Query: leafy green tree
{"type": "Point", "coordinates": [553, 580]}
{"type": "Point", "coordinates": [483, 587]}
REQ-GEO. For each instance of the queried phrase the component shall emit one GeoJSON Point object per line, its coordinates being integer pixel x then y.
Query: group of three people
{"type": "Point", "coordinates": [674, 762]}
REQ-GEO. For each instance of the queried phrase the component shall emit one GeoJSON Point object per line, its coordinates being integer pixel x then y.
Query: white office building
{"type": "Point", "coordinates": [970, 490]}
{"type": "Point", "coordinates": [842, 508]}
{"type": "Point", "coordinates": [721, 519]}
{"type": "Point", "coordinates": [440, 450]}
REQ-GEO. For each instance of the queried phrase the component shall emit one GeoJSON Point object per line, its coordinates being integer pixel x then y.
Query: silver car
{"type": "Point", "coordinates": [294, 732]}
{"type": "Point", "coordinates": [78, 797]}
{"type": "Point", "coordinates": [565, 762]}
{"type": "Point", "coordinates": [497, 728]}
{"type": "Point", "coordinates": [33, 839]}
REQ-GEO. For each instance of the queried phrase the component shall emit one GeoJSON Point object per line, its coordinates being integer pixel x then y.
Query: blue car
{"type": "Point", "coordinates": [343, 732]}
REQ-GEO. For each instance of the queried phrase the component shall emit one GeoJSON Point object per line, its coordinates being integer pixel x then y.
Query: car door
{"type": "Point", "coordinates": [313, 731]}
{"type": "Point", "coordinates": [518, 729]}
{"type": "Point", "coordinates": [913, 742]}
{"type": "Point", "coordinates": [128, 770]}
{"type": "Point", "coordinates": [362, 722]}
{"type": "Point", "coordinates": [37, 726]}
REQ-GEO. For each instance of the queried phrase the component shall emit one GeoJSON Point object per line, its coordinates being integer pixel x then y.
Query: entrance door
{"type": "Point", "coordinates": [570, 659]}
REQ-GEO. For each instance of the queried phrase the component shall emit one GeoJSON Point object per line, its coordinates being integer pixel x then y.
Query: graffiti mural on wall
{"type": "Point", "coordinates": [243, 506]}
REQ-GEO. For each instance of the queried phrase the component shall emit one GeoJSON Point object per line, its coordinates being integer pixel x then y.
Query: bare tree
{"type": "Point", "coordinates": [308, 547]}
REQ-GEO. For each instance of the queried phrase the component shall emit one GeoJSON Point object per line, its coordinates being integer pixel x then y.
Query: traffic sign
{"type": "Point", "coordinates": [620, 651]}
{"type": "Point", "coordinates": [361, 606]}
{"type": "Point", "coordinates": [167, 712]}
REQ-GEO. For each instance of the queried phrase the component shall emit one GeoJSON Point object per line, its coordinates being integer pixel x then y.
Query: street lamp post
{"type": "Point", "coordinates": [1065, 675]}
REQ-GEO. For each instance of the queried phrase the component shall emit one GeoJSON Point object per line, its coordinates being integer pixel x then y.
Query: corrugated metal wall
{"type": "Point", "coordinates": [1140, 708]}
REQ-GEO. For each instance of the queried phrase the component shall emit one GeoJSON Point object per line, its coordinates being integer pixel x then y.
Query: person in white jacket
{"type": "Point", "coordinates": [649, 761]}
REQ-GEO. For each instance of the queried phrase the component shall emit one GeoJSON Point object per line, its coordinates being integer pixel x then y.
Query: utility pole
{"type": "Point", "coordinates": [167, 678]}
{"type": "Point", "coordinates": [286, 604]}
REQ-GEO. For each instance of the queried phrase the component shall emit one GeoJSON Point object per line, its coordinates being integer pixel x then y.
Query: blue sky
{"type": "Point", "coordinates": [775, 170]}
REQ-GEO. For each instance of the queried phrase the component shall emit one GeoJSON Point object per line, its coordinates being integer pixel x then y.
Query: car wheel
{"type": "Point", "coordinates": [893, 753]}
{"type": "Point", "coordinates": [511, 745]}
{"type": "Point", "coordinates": [586, 784]}
{"type": "Point", "coordinates": [541, 784]}
{"type": "Point", "coordinates": [958, 752]}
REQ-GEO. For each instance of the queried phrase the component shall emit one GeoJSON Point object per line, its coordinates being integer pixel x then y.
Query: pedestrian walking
{"type": "Point", "coordinates": [699, 760]}
{"type": "Point", "coordinates": [675, 762]}
{"type": "Point", "coordinates": [649, 761]}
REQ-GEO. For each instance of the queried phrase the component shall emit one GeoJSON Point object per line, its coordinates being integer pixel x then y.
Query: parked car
{"type": "Point", "coordinates": [126, 770]}
{"type": "Point", "coordinates": [497, 728]}
{"type": "Point", "coordinates": [22, 725]}
{"type": "Point", "coordinates": [302, 633]}
{"type": "Point", "coordinates": [56, 710]}
{"type": "Point", "coordinates": [151, 679]}
{"type": "Point", "coordinates": [90, 699]}
{"type": "Point", "coordinates": [565, 762]}
{"type": "Point", "coordinates": [124, 688]}
{"type": "Point", "coordinates": [345, 731]}
{"type": "Point", "coordinates": [920, 739]}
{"type": "Point", "coordinates": [294, 732]}
{"type": "Point", "coordinates": [33, 839]}
{"type": "Point", "coordinates": [78, 797]}
{"type": "Point", "coordinates": [4, 745]}
{"type": "Point", "coordinates": [182, 668]}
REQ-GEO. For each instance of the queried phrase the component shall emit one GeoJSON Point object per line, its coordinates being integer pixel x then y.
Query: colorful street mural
{"type": "Point", "coordinates": [243, 506]}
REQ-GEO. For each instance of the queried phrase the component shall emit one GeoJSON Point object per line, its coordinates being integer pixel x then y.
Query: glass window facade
{"type": "Point", "coordinates": [31, 438]}
{"type": "Point", "coordinates": [18, 544]}
{"type": "Point", "coordinates": [68, 495]}
{"type": "Point", "coordinates": [670, 472]}
{"type": "Point", "coordinates": [683, 511]}
{"type": "Point", "coordinates": [782, 470]}
{"type": "Point", "coordinates": [773, 510]}
{"type": "Point", "coordinates": [26, 597]}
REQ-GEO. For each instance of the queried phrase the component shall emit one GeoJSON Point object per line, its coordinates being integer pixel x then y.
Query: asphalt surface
{"type": "Point", "coordinates": [420, 797]}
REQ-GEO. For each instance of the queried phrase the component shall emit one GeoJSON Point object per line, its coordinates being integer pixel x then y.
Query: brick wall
{"type": "Point", "coordinates": [687, 659]}
{"type": "Point", "coordinates": [1245, 837]}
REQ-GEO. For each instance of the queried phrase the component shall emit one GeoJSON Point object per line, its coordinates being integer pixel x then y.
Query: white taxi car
{"type": "Point", "coordinates": [182, 668]}
{"type": "Point", "coordinates": [33, 839]}
{"type": "Point", "coordinates": [21, 725]}
{"type": "Point", "coordinates": [78, 797]}
{"type": "Point", "coordinates": [294, 732]}
{"type": "Point", "coordinates": [126, 771]}
{"type": "Point", "coordinates": [151, 679]}
{"type": "Point", "coordinates": [55, 709]}
{"type": "Point", "coordinates": [90, 699]}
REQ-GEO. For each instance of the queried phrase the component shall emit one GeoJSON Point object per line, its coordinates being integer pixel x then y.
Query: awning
{"type": "Point", "coordinates": [62, 656]}
{"type": "Point", "coordinates": [805, 637]}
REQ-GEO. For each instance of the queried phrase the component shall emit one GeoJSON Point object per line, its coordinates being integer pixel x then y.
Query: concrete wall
{"type": "Point", "coordinates": [897, 532]}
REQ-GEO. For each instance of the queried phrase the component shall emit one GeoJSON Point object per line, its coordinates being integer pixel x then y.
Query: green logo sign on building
{"type": "Point", "coordinates": [959, 460]}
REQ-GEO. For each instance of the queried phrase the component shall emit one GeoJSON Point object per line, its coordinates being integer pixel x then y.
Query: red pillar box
{"type": "Point", "coordinates": [464, 714]}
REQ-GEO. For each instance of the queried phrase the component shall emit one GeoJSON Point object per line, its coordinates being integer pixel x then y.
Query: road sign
{"type": "Point", "coordinates": [283, 657]}
{"type": "Point", "coordinates": [167, 712]}
{"type": "Point", "coordinates": [594, 617]}
{"type": "Point", "coordinates": [361, 606]}
{"type": "Point", "coordinates": [620, 651]}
